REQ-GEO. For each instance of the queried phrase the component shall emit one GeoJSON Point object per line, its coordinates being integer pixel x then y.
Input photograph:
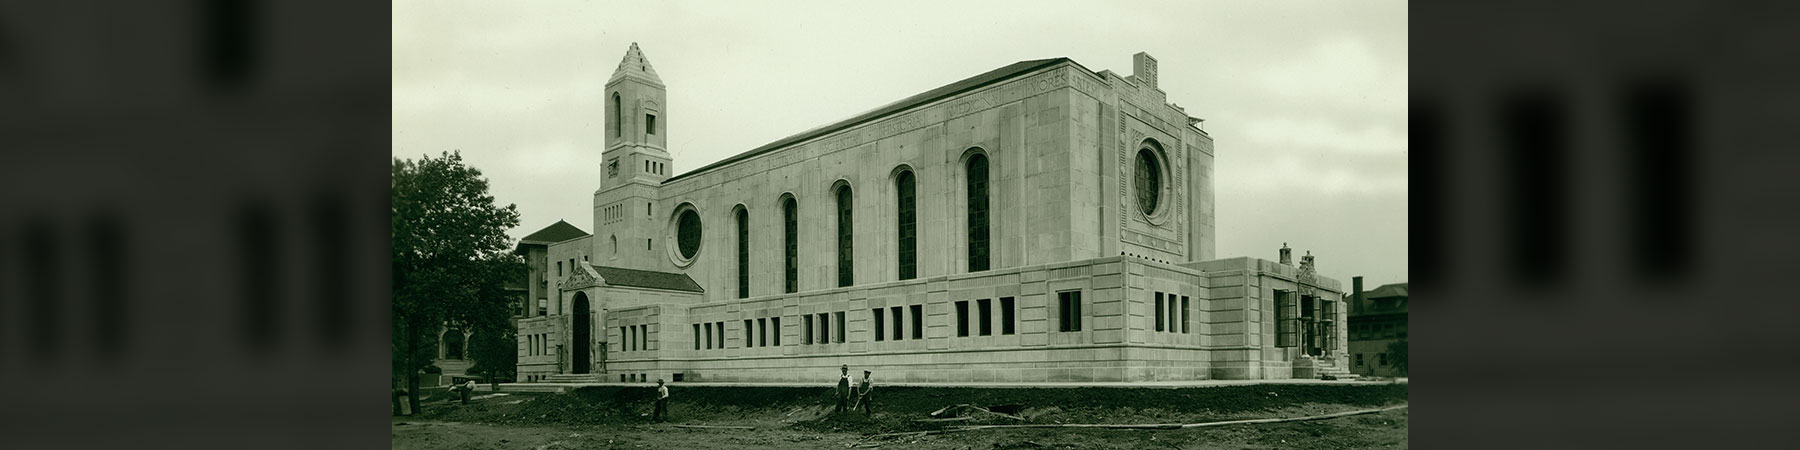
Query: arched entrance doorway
{"type": "Point", "coordinates": [580, 337]}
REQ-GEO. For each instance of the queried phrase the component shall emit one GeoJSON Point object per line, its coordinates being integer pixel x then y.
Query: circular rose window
{"type": "Point", "coordinates": [687, 234]}
{"type": "Point", "coordinates": [1148, 181]}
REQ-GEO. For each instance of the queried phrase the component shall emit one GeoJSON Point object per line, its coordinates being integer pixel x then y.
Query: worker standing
{"type": "Point", "coordinates": [662, 401]}
{"type": "Point", "coordinates": [863, 398]}
{"type": "Point", "coordinates": [843, 389]}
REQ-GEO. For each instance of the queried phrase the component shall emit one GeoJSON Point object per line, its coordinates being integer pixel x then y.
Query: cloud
{"type": "Point", "coordinates": [492, 99]}
{"type": "Point", "coordinates": [1309, 175]}
{"type": "Point", "coordinates": [1339, 71]}
{"type": "Point", "coordinates": [559, 157]}
{"type": "Point", "coordinates": [1327, 135]}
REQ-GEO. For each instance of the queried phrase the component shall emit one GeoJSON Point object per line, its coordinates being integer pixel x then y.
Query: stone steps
{"type": "Point", "coordinates": [532, 387]}
{"type": "Point", "coordinates": [574, 378]}
{"type": "Point", "coordinates": [1325, 367]}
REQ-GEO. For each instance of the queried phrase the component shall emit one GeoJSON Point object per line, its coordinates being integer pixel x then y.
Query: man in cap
{"type": "Point", "coordinates": [862, 398]}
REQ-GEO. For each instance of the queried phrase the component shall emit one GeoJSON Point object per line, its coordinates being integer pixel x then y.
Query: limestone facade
{"type": "Point", "coordinates": [1099, 244]}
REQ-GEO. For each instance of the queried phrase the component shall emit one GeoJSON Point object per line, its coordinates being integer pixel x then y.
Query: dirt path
{"type": "Point", "coordinates": [1383, 430]}
{"type": "Point", "coordinates": [617, 418]}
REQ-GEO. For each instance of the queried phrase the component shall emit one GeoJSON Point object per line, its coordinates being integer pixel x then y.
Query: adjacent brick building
{"type": "Point", "coordinates": [1377, 319]}
{"type": "Point", "coordinates": [1038, 222]}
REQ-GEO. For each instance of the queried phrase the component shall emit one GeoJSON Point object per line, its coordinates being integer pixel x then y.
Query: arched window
{"type": "Point", "coordinates": [615, 244]}
{"type": "Point", "coordinates": [791, 252]}
{"type": "Point", "coordinates": [978, 213]}
{"type": "Point", "coordinates": [908, 226]}
{"type": "Point", "coordinates": [743, 238]}
{"type": "Point", "coordinates": [618, 116]}
{"type": "Point", "coordinates": [453, 344]}
{"type": "Point", "coordinates": [846, 250]}
{"type": "Point", "coordinates": [687, 233]}
{"type": "Point", "coordinates": [1147, 179]}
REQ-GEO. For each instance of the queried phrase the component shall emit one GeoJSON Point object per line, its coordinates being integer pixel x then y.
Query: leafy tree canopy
{"type": "Point", "coordinates": [451, 255]}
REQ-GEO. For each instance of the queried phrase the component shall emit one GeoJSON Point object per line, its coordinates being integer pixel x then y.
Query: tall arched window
{"type": "Point", "coordinates": [846, 251]}
{"type": "Point", "coordinates": [743, 234]}
{"type": "Point", "coordinates": [618, 116]}
{"type": "Point", "coordinates": [908, 226]}
{"type": "Point", "coordinates": [978, 213]}
{"type": "Point", "coordinates": [791, 252]}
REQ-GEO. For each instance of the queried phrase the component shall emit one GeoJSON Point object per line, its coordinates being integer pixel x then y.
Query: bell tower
{"type": "Point", "coordinates": [637, 124]}
{"type": "Point", "coordinates": [627, 216]}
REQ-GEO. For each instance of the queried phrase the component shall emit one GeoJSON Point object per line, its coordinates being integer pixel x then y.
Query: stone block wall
{"type": "Point", "coordinates": [536, 364]}
{"type": "Point", "coordinates": [1116, 341]}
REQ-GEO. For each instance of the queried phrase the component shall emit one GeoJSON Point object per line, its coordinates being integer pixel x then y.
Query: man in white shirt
{"type": "Point", "coordinates": [662, 400]}
{"type": "Point", "coordinates": [843, 389]}
{"type": "Point", "coordinates": [463, 390]}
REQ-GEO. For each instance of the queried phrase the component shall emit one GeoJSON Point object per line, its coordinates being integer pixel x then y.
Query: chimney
{"type": "Point", "coordinates": [1143, 67]}
{"type": "Point", "coordinates": [1356, 294]}
{"type": "Point", "coordinates": [1307, 261]}
{"type": "Point", "coordinates": [1287, 256]}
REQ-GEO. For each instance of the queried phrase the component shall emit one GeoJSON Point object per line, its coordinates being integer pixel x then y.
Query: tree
{"type": "Point", "coordinates": [1397, 355]}
{"type": "Point", "coordinates": [451, 257]}
{"type": "Point", "coordinates": [496, 354]}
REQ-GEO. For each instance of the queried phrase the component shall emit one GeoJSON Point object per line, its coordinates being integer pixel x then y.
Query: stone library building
{"type": "Point", "coordinates": [1041, 222]}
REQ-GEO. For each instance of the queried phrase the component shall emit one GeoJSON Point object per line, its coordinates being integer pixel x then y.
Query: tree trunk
{"type": "Point", "coordinates": [412, 366]}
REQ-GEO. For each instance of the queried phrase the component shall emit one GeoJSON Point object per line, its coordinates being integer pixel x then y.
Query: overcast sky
{"type": "Point", "coordinates": [1306, 101]}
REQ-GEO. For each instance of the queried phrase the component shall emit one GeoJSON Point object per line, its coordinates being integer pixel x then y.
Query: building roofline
{"type": "Point", "coordinates": [989, 78]}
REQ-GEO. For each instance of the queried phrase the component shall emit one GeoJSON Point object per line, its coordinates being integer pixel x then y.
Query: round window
{"type": "Point", "coordinates": [1149, 181]}
{"type": "Point", "coordinates": [687, 234]}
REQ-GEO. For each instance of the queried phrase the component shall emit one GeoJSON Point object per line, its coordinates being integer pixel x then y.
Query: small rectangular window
{"type": "Point", "coordinates": [962, 318]}
{"type": "Point", "coordinates": [1171, 316]}
{"type": "Point", "coordinates": [1187, 316]}
{"type": "Point", "coordinates": [1006, 315]}
{"type": "Point", "coordinates": [559, 268]}
{"type": "Point", "coordinates": [918, 316]}
{"type": "Point", "coordinates": [696, 336]}
{"type": "Point", "coordinates": [775, 322]}
{"type": "Point", "coordinates": [1159, 312]}
{"type": "Point", "coordinates": [749, 339]}
{"type": "Point", "coordinates": [762, 332]}
{"type": "Point", "coordinates": [809, 330]}
{"type": "Point", "coordinates": [721, 334]}
{"type": "Point", "coordinates": [649, 124]}
{"type": "Point", "coordinates": [1382, 358]}
{"type": "Point", "coordinates": [880, 325]}
{"type": "Point", "coordinates": [841, 329]}
{"type": "Point", "coordinates": [709, 336]}
{"type": "Point", "coordinates": [899, 325]}
{"type": "Point", "coordinates": [1285, 308]}
{"type": "Point", "coordinates": [1359, 361]}
{"type": "Point", "coordinates": [986, 316]}
{"type": "Point", "coordinates": [1069, 310]}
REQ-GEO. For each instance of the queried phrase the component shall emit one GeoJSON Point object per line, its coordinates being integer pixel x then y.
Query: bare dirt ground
{"type": "Point", "coordinates": [614, 418]}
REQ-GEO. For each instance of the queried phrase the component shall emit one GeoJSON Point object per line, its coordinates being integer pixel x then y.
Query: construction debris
{"type": "Point", "coordinates": [725, 427]}
{"type": "Point", "coordinates": [1156, 426]}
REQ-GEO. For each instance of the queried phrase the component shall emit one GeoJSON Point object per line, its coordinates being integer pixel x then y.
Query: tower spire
{"type": "Point", "coordinates": [635, 65]}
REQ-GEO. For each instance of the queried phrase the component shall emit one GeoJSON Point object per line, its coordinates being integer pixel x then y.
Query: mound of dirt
{"type": "Point", "coordinates": [899, 408]}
